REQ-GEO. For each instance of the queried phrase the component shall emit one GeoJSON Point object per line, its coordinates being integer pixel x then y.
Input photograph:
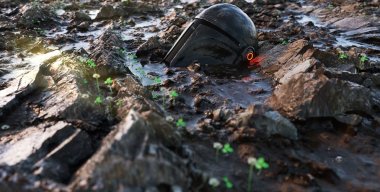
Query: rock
{"type": "Point", "coordinates": [288, 56]}
{"type": "Point", "coordinates": [311, 95]}
{"type": "Point", "coordinates": [28, 142]}
{"type": "Point", "coordinates": [83, 26]}
{"type": "Point", "coordinates": [222, 114]}
{"type": "Point", "coordinates": [109, 12]}
{"type": "Point", "coordinates": [60, 163]}
{"type": "Point", "coordinates": [171, 34]}
{"type": "Point", "coordinates": [151, 44]}
{"type": "Point", "coordinates": [134, 157]}
{"type": "Point", "coordinates": [79, 17]}
{"type": "Point", "coordinates": [36, 16]}
{"type": "Point", "coordinates": [273, 123]}
{"type": "Point", "coordinates": [350, 23]}
{"type": "Point", "coordinates": [349, 119]}
{"type": "Point", "coordinates": [267, 121]}
{"type": "Point", "coordinates": [107, 54]}
{"type": "Point", "coordinates": [285, 74]}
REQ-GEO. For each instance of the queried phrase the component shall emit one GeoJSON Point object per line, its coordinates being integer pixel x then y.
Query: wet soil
{"type": "Point", "coordinates": [62, 129]}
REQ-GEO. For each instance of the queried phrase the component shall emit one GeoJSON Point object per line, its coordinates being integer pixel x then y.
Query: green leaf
{"type": "Point", "coordinates": [157, 80]}
{"type": "Point", "coordinates": [343, 56]}
{"type": "Point", "coordinates": [91, 63]}
{"type": "Point", "coordinates": [227, 148]}
{"type": "Point", "coordinates": [108, 81]}
{"type": "Point", "coordinates": [173, 94]}
{"type": "Point", "coordinates": [98, 100]}
{"type": "Point", "coordinates": [261, 164]}
{"type": "Point", "coordinates": [181, 123]}
{"type": "Point", "coordinates": [228, 183]}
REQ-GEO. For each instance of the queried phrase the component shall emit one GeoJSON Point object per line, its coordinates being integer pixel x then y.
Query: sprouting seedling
{"type": "Point", "coordinates": [157, 80]}
{"type": "Point", "coordinates": [330, 6]}
{"type": "Point", "coordinates": [181, 123]}
{"type": "Point", "coordinates": [259, 164]}
{"type": "Point", "coordinates": [97, 76]}
{"type": "Point", "coordinates": [363, 59]}
{"type": "Point", "coordinates": [343, 55]}
{"type": "Point", "coordinates": [173, 94]}
{"type": "Point", "coordinates": [85, 81]}
{"type": "Point", "coordinates": [284, 42]}
{"type": "Point", "coordinates": [227, 149]}
{"type": "Point", "coordinates": [98, 100]}
{"type": "Point", "coordinates": [90, 63]}
{"type": "Point", "coordinates": [109, 82]}
{"type": "Point", "coordinates": [217, 146]}
{"type": "Point", "coordinates": [214, 182]}
{"type": "Point", "coordinates": [228, 183]}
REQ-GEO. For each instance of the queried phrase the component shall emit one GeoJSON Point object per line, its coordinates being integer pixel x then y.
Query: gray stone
{"type": "Point", "coordinates": [310, 95]}
{"type": "Point", "coordinates": [133, 155]}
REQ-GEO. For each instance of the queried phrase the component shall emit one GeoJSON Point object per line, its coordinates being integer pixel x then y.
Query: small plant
{"type": "Point", "coordinates": [109, 82]}
{"type": "Point", "coordinates": [98, 100]}
{"type": "Point", "coordinates": [228, 183]}
{"type": "Point", "coordinates": [173, 95]}
{"type": "Point", "coordinates": [90, 63]}
{"type": "Point", "coordinates": [217, 146]}
{"type": "Point", "coordinates": [343, 55]}
{"type": "Point", "coordinates": [285, 42]}
{"type": "Point", "coordinates": [363, 59]}
{"type": "Point", "coordinates": [227, 149]}
{"type": "Point", "coordinates": [259, 164]}
{"type": "Point", "coordinates": [157, 80]}
{"type": "Point", "coordinates": [181, 123]}
{"type": "Point", "coordinates": [214, 182]}
{"type": "Point", "coordinates": [97, 76]}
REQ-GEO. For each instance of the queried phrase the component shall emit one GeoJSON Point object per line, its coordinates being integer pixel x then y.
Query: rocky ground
{"type": "Point", "coordinates": [86, 104]}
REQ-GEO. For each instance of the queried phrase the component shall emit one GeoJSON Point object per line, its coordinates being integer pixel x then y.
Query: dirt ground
{"type": "Point", "coordinates": [87, 105]}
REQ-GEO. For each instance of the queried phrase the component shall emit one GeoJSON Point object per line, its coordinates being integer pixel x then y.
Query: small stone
{"type": "Point", "coordinates": [5, 127]}
{"type": "Point", "coordinates": [214, 182]}
{"type": "Point", "coordinates": [217, 145]}
{"type": "Point", "coordinates": [338, 159]}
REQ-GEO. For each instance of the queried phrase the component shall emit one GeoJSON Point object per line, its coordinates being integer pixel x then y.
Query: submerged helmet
{"type": "Point", "coordinates": [221, 35]}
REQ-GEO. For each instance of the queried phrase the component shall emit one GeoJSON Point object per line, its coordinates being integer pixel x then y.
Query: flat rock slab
{"type": "Point", "coordinates": [20, 146]}
{"type": "Point", "coordinates": [351, 23]}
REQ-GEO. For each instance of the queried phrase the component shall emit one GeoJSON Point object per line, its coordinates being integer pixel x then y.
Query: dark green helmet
{"type": "Point", "coordinates": [221, 35]}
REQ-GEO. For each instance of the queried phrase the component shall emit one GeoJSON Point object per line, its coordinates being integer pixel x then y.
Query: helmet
{"type": "Point", "coordinates": [222, 35]}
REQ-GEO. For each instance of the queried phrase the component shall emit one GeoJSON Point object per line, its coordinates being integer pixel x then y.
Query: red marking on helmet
{"type": "Point", "coordinates": [255, 62]}
{"type": "Point", "coordinates": [250, 56]}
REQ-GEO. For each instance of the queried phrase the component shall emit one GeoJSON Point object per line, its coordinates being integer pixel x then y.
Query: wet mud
{"type": "Point", "coordinates": [87, 105]}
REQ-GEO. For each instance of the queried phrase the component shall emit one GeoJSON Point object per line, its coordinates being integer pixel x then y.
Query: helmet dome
{"type": "Point", "coordinates": [220, 35]}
